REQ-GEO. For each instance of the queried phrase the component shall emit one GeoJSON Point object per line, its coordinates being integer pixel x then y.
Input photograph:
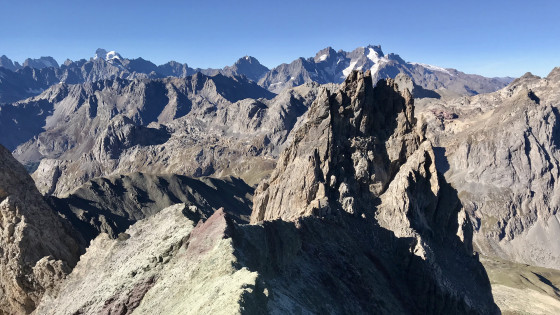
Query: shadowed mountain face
{"type": "Point", "coordinates": [111, 204]}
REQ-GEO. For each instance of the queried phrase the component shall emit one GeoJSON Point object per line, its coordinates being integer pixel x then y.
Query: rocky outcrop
{"type": "Point", "coordinates": [37, 248]}
{"type": "Point", "coordinates": [360, 164]}
{"type": "Point", "coordinates": [354, 142]}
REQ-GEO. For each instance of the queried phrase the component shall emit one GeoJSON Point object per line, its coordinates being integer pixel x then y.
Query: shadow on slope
{"type": "Point", "coordinates": [111, 204]}
{"type": "Point", "coordinates": [349, 265]}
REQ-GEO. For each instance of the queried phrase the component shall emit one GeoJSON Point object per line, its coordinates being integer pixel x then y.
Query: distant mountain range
{"type": "Point", "coordinates": [18, 82]}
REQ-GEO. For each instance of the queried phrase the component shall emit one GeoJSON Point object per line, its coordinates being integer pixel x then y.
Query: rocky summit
{"type": "Point", "coordinates": [361, 161]}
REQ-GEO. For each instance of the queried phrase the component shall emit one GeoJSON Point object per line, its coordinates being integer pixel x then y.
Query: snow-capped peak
{"type": "Point", "coordinates": [103, 54]}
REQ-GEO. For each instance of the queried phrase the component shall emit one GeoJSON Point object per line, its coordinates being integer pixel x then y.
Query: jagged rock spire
{"type": "Point", "coordinates": [344, 157]}
{"type": "Point", "coordinates": [361, 161]}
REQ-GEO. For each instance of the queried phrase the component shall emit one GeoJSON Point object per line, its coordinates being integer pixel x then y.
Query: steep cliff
{"type": "Point", "coordinates": [500, 152]}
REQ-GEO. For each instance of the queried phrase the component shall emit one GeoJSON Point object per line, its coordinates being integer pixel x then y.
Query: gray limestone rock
{"type": "Point", "coordinates": [354, 142]}
{"type": "Point", "coordinates": [501, 154]}
{"type": "Point", "coordinates": [196, 126]}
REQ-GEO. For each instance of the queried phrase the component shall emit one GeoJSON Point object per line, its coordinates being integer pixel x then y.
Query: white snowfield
{"type": "Point", "coordinates": [431, 67]}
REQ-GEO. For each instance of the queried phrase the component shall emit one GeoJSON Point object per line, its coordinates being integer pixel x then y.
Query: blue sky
{"type": "Point", "coordinates": [492, 38]}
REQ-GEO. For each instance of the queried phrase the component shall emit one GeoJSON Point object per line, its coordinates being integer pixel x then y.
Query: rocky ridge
{"type": "Point", "coordinates": [36, 75]}
{"type": "Point", "coordinates": [501, 154]}
{"type": "Point", "coordinates": [330, 66]}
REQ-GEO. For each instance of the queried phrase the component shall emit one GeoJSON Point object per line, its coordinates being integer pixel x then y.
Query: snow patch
{"type": "Point", "coordinates": [35, 91]}
{"type": "Point", "coordinates": [381, 61]}
{"type": "Point", "coordinates": [347, 71]}
{"type": "Point", "coordinates": [323, 57]}
{"type": "Point", "coordinates": [373, 55]}
{"type": "Point", "coordinates": [103, 54]}
{"type": "Point", "coordinates": [431, 67]}
{"type": "Point", "coordinates": [112, 55]}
